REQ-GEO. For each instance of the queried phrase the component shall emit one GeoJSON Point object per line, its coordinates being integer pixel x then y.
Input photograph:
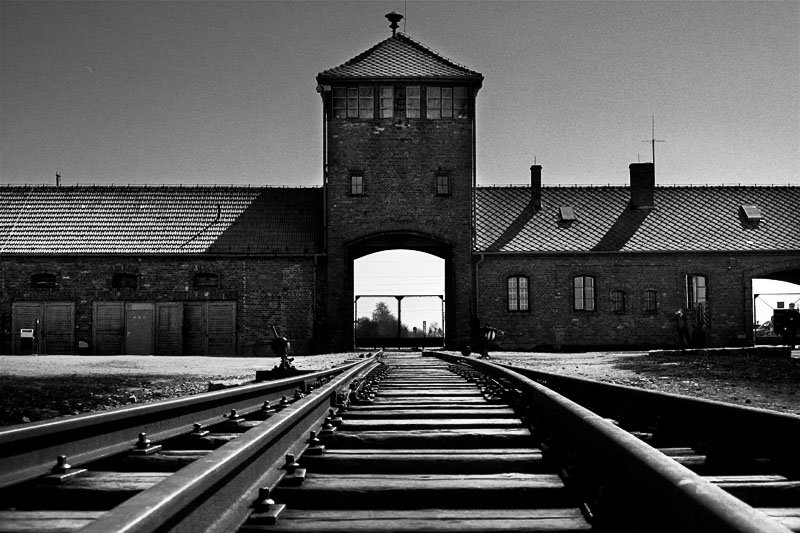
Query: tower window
{"type": "Point", "coordinates": [446, 102]}
{"type": "Point", "coordinates": [443, 185]}
{"type": "Point", "coordinates": [583, 293]}
{"type": "Point", "coordinates": [357, 185]}
{"type": "Point", "coordinates": [412, 101]}
{"type": "Point", "coordinates": [518, 293]}
{"type": "Point", "coordinates": [387, 102]}
{"type": "Point", "coordinates": [353, 102]}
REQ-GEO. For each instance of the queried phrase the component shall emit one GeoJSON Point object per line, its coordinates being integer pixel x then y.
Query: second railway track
{"type": "Point", "coordinates": [418, 443]}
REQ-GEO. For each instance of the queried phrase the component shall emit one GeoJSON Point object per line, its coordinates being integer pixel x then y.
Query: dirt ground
{"type": "Point", "coordinates": [38, 388]}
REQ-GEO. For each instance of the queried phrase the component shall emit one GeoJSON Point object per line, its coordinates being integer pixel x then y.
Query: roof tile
{"type": "Point", "coordinates": [683, 219]}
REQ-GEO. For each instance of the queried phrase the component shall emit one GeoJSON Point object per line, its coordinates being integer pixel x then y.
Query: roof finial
{"type": "Point", "coordinates": [394, 18]}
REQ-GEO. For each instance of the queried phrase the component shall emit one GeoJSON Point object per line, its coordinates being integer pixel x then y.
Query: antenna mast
{"type": "Point", "coordinates": [653, 140]}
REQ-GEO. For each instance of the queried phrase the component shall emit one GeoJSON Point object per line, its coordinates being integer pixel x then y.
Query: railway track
{"type": "Point", "coordinates": [412, 443]}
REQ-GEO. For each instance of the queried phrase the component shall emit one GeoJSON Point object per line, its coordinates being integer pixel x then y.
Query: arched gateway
{"type": "Point", "coordinates": [399, 155]}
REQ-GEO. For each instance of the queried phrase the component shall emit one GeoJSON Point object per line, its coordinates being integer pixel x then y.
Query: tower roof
{"type": "Point", "coordinates": [400, 58]}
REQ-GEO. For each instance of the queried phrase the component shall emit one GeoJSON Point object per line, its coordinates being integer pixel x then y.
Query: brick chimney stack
{"type": "Point", "coordinates": [643, 183]}
{"type": "Point", "coordinates": [536, 186]}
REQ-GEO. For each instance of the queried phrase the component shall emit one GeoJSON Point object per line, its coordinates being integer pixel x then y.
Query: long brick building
{"type": "Point", "coordinates": [206, 270]}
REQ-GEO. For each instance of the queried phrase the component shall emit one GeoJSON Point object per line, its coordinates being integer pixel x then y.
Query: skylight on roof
{"type": "Point", "coordinates": [567, 213]}
{"type": "Point", "coordinates": [752, 213]}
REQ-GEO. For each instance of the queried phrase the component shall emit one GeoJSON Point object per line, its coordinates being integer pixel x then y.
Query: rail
{"type": "Point", "coordinates": [29, 451]}
{"type": "Point", "coordinates": [640, 473]}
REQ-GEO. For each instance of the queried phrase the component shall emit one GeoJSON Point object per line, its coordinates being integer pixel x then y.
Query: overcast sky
{"type": "Point", "coordinates": [224, 92]}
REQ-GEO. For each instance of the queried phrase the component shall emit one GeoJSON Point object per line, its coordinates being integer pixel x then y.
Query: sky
{"type": "Point", "coordinates": [200, 92]}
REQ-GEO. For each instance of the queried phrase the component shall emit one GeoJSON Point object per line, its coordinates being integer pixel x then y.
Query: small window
{"type": "Point", "coordinates": [203, 280]}
{"type": "Point", "coordinates": [124, 280]}
{"type": "Point", "coordinates": [44, 280]}
{"type": "Point", "coordinates": [695, 290]}
{"type": "Point", "coordinates": [650, 301]}
{"type": "Point", "coordinates": [387, 102]}
{"type": "Point", "coordinates": [357, 185]}
{"type": "Point", "coordinates": [443, 185]}
{"type": "Point", "coordinates": [518, 293]}
{"type": "Point", "coordinates": [618, 302]}
{"type": "Point", "coordinates": [412, 101]}
{"type": "Point", "coordinates": [583, 293]}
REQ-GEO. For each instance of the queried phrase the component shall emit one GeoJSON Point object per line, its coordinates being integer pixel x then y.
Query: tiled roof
{"type": "Point", "coordinates": [400, 56]}
{"type": "Point", "coordinates": [684, 219]}
{"type": "Point", "coordinates": [159, 220]}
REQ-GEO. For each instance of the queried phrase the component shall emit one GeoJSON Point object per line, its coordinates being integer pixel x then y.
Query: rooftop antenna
{"type": "Point", "coordinates": [58, 179]}
{"type": "Point", "coordinates": [653, 141]}
{"type": "Point", "coordinates": [394, 18]}
{"type": "Point", "coordinates": [405, 14]}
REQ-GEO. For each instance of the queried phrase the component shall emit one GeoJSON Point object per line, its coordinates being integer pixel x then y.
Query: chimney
{"type": "Point", "coordinates": [643, 183]}
{"type": "Point", "coordinates": [536, 186]}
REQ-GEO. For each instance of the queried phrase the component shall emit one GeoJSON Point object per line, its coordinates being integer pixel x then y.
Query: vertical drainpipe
{"type": "Point", "coordinates": [477, 288]}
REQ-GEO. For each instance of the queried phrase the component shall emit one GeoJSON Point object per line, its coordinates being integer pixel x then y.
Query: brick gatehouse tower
{"type": "Point", "coordinates": [399, 158]}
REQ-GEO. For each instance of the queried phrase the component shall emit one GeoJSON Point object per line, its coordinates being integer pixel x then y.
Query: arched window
{"type": "Point", "coordinates": [124, 280]}
{"type": "Point", "coordinates": [650, 301]}
{"type": "Point", "coordinates": [618, 301]}
{"type": "Point", "coordinates": [206, 280]}
{"type": "Point", "coordinates": [518, 293]}
{"type": "Point", "coordinates": [44, 280]}
{"type": "Point", "coordinates": [583, 293]}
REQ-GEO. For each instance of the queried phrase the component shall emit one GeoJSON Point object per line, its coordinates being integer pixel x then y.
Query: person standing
{"type": "Point", "coordinates": [791, 324]}
{"type": "Point", "coordinates": [682, 328]}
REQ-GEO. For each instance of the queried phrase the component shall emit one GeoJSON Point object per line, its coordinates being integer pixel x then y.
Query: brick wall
{"type": "Point", "coordinates": [267, 291]}
{"type": "Point", "coordinates": [552, 322]}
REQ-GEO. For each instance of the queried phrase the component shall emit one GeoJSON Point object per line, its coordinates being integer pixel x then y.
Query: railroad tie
{"type": "Point", "coordinates": [428, 452]}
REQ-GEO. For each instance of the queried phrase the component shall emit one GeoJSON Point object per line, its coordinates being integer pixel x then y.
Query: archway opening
{"type": "Point", "coordinates": [773, 298]}
{"type": "Point", "coordinates": [398, 300]}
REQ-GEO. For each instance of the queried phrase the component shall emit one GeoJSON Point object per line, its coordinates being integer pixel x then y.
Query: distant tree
{"type": "Point", "coordinates": [383, 323]}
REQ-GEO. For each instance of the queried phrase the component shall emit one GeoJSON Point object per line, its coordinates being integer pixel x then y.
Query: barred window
{"type": "Point", "coordinates": [650, 301]}
{"type": "Point", "coordinates": [518, 293]}
{"type": "Point", "coordinates": [695, 290]}
{"type": "Point", "coordinates": [583, 293]}
{"type": "Point", "coordinates": [618, 301]}
{"type": "Point", "coordinates": [205, 280]}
